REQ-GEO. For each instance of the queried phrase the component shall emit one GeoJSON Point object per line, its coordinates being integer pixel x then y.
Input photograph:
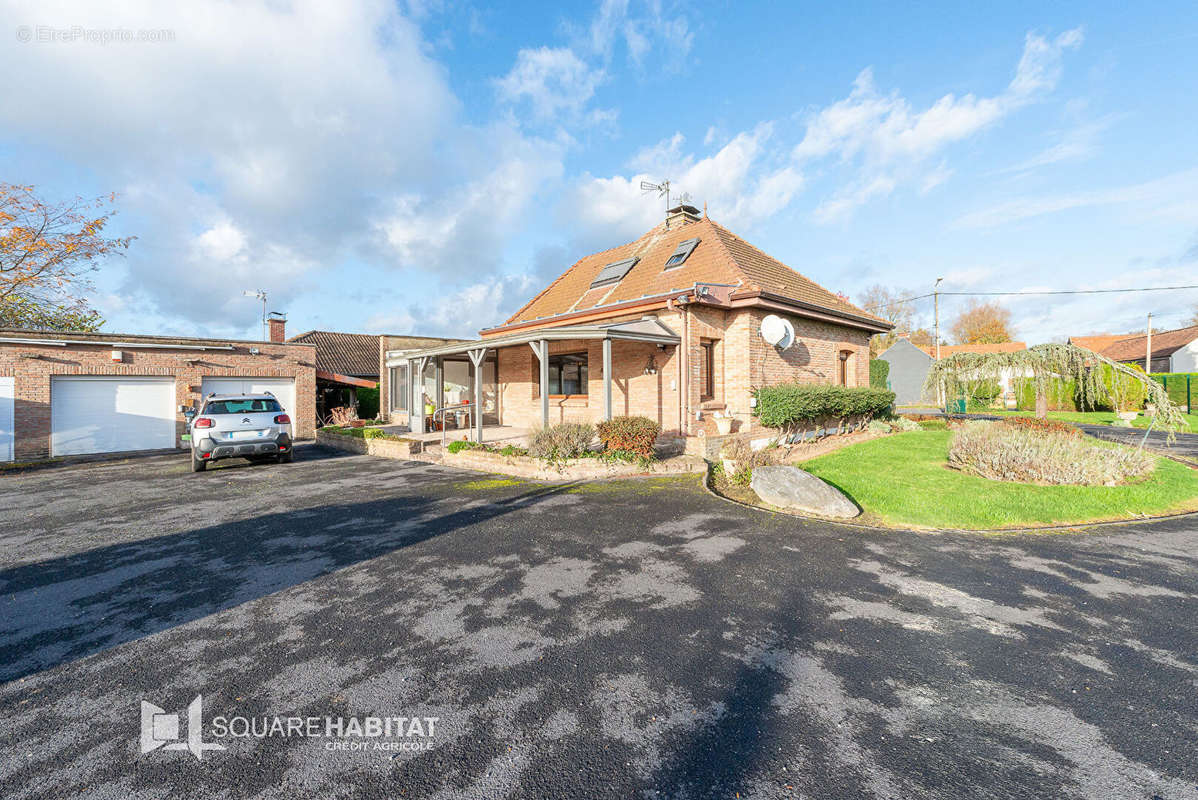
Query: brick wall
{"type": "Point", "coordinates": [814, 356]}
{"type": "Point", "coordinates": [32, 376]}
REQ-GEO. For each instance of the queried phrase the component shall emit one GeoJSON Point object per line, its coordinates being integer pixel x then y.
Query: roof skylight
{"type": "Point", "coordinates": [614, 272]}
{"type": "Point", "coordinates": [681, 253]}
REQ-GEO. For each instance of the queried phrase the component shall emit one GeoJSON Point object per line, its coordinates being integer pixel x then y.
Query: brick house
{"type": "Point", "coordinates": [78, 393]}
{"type": "Point", "coordinates": [667, 326]}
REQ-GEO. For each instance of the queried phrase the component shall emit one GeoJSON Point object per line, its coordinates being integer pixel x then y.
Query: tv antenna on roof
{"type": "Point", "coordinates": [662, 188]}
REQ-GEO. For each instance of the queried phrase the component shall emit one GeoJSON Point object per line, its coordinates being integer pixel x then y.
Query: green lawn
{"type": "Point", "coordinates": [903, 480]}
{"type": "Point", "coordinates": [1095, 418]}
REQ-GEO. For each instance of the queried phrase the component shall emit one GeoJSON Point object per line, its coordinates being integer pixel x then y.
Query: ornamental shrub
{"type": "Point", "coordinates": [879, 373]}
{"type": "Point", "coordinates": [629, 434]}
{"type": "Point", "coordinates": [1014, 453]}
{"type": "Point", "coordinates": [561, 441]}
{"type": "Point", "coordinates": [789, 405]}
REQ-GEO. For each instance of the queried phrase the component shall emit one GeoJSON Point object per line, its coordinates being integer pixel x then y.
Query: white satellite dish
{"type": "Point", "coordinates": [777, 331]}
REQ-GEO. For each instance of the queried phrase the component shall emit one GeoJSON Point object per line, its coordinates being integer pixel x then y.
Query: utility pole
{"type": "Point", "coordinates": [1148, 347]}
{"type": "Point", "coordinates": [941, 399]}
{"type": "Point", "coordinates": [936, 307]}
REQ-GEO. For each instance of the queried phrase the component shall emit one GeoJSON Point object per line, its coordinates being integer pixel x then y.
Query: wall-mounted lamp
{"type": "Point", "coordinates": [651, 365]}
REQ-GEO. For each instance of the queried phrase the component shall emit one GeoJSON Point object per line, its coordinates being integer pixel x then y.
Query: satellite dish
{"type": "Point", "coordinates": [777, 331]}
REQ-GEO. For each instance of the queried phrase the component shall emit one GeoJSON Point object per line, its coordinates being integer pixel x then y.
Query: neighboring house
{"type": "Point", "coordinates": [1172, 351]}
{"type": "Point", "coordinates": [909, 365]}
{"type": "Point", "coordinates": [667, 326]}
{"type": "Point", "coordinates": [79, 393]}
{"type": "Point", "coordinates": [1098, 342]}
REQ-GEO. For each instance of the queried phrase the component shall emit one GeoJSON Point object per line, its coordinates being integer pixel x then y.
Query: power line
{"type": "Point", "coordinates": [1031, 292]}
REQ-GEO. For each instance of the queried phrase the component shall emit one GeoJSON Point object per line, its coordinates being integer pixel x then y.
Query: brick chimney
{"type": "Point", "coordinates": [681, 215]}
{"type": "Point", "coordinates": [278, 326]}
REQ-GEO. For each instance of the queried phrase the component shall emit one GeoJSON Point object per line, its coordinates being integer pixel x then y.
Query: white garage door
{"type": "Point", "coordinates": [282, 388]}
{"type": "Point", "coordinates": [100, 414]}
{"type": "Point", "coordinates": [7, 437]}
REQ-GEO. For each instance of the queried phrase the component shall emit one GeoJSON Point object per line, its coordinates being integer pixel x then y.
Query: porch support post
{"type": "Point", "coordinates": [607, 379]}
{"type": "Point", "coordinates": [476, 358]}
{"type": "Point", "coordinates": [439, 377]}
{"type": "Point", "coordinates": [541, 348]}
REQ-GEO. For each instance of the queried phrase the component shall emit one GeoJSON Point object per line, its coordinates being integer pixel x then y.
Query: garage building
{"type": "Point", "coordinates": [69, 394]}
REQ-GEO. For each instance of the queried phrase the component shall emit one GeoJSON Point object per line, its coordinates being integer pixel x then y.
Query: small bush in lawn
{"type": "Point", "coordinates": [562, 441]}
{"type": "Point", "coordinates": [629, 434]}
{"type": "Point", "coordinates": [1045, 425]}
{"type": "Point", "coordinates": [1012, 453]}
{"type": "Point", "coordinates": [902, 425]}
{"type": "Point", "coordinates": [878, 426]}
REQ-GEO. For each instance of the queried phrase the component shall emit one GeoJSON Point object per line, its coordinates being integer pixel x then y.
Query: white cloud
{"type": "Point", "coordinates": [1075, 144]}
{"type": "Point", "coordinates": [886, 140]}
{"type": "Point", "coordinates": [553, 80]}
{"type": "Point", "coordinates": [741, 183]}
{"type": "Point", "coordinates": [1169, 197]}
{"type": "Point", "coordinates": [261, 132]}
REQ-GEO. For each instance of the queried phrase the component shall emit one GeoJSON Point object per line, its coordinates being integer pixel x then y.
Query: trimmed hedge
{"type": "Point", "coordinates": [879, 373]}
{"type": "Point", "coordinates": [629, 435]}
{"type": "Point", "coordinates": [1175, 386]}
{"type": "Point", "coordinates": [786, 405]}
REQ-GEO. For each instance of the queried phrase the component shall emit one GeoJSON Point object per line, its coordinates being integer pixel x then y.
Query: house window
{"type": "Point", "coordinates": [567, 375]}
{"type": "Point", "coordinates": [706, 370]}
{"type": "Point", "coordinates": [681, 253]}
{"type": "Point", "coordinates": [843, 375]}
{"type": "Point", "coordinates": [399, 388]}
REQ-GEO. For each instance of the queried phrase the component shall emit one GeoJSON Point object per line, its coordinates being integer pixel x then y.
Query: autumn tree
{"type": "Point", "coordinates": [47, 254]}
{"type": "Point", "coordinates": [982, 323]}
{"type": "Point", "coordinates": [1194, 319]}
{"type": "Point", "coordinates": [892, 305]}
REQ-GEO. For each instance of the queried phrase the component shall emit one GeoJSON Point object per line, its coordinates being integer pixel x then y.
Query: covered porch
{"type": "Point", "coordinates": [464, 385]}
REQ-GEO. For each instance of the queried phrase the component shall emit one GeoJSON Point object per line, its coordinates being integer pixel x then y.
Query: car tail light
{"type": "Point", "coordinates": [204, 422]}
{"type": "Point", "coordinates": [282, 419]}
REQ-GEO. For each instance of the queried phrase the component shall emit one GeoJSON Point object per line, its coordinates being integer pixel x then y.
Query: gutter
{"type": "Point", "coordinates": [121, 345]}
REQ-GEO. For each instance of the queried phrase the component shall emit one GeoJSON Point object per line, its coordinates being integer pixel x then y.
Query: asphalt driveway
{"type": "Point", "coordinates": [629, 639]}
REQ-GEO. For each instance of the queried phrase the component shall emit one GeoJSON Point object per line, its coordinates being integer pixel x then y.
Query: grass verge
{"type": "Point", "coordinates": [904, 480]}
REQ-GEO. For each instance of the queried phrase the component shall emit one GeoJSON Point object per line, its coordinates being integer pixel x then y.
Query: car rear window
{"type": "Point", "coordinates": [255, 406]}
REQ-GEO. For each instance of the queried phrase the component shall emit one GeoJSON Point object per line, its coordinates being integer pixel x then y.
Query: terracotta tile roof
{"type": "Point", "coordinates": [947, 350]}
{"type": "Point", "coordinates": [353, 354]}
{"type": "Point", "coordinates": [1098, 342]}
{"type": "Point", "coordinates": [721, 257]}
{"type": "Point", "coordinates": [1164, 343]}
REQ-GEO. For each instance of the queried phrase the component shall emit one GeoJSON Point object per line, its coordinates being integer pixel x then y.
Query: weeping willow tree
{"type": "Point", "coordinates": [1099, 380]}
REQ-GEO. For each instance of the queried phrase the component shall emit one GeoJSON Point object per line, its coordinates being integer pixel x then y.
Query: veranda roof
{"type": "Point", "coordinates": [648, 329]}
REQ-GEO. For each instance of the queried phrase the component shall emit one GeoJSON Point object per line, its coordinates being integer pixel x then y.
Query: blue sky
{"type": "Point", "coordinates": [425, 167]}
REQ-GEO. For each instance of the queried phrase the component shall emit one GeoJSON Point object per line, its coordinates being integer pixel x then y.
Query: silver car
{"type": "Point", "coordinates": [253, 426]}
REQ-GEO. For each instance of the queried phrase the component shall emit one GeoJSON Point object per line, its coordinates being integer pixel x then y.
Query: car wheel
{"type": "Point", "coordinates": [197, 465]}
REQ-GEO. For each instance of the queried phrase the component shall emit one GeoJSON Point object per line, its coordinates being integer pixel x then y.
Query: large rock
{"type": "Point", "coordinates": [791, 487]}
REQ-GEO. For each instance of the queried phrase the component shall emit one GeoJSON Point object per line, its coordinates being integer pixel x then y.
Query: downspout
{"type": "Point", "coordinates": [684, 388]}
